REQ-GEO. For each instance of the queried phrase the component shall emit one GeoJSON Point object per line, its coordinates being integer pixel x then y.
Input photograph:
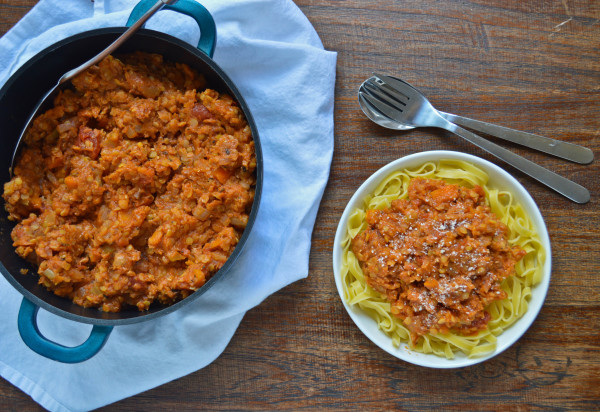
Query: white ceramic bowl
{"type": "Point", "coordinates": [500, 179]}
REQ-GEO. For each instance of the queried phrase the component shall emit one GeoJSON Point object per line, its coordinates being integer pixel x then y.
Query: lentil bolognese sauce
{"type": "Point", "coordinates": [135, 187]}
{"type": "Point", "coordinates": [439, 257]}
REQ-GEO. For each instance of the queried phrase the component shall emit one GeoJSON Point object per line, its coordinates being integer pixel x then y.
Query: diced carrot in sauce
{"type": "Point", "coordinates": [222, 174]}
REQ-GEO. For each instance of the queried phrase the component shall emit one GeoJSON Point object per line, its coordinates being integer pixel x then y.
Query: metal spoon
{"type": "Point", "coordinates": [558, 148]}
{"type": "Point", "coordinates": [48, 97]}
{"type": "Point", "coordinates": [411, 108]}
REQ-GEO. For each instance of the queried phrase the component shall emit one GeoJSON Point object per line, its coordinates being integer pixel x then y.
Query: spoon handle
{"type": "Point", "coordinates": [114, 45]}
{"type": "Point", "coordinates": [565, 187]}
{"type": "Point", "coordinates": [74, 72]}
{"type": "Point", "coordinates": [558, 148]}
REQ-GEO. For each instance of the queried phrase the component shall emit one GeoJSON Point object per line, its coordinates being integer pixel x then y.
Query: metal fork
{"type": "Point", "coordinates": [564, 150]}
{"type": "Point", "coordinates": [407, 105]}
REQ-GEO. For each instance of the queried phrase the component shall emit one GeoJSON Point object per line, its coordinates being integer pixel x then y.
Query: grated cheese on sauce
{"type": "Point", "coordinates": [439, 257]}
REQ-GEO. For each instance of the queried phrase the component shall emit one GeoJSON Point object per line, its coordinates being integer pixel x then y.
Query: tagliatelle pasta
{"type": "Point", "coordinates": [503, 313]}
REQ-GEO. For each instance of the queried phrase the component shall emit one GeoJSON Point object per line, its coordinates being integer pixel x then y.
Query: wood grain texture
{"type": "Point", "coordinates": [533, 65]}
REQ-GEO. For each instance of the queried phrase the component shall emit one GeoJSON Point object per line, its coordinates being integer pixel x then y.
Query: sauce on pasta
{"type": "Point", "coordinates": [499, 314]}
{"type": "Point", "coordinates": [438, 256]}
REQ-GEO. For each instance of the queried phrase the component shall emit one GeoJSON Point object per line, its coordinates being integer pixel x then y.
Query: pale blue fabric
{"type": "Point", "coordinates": [275, 57]}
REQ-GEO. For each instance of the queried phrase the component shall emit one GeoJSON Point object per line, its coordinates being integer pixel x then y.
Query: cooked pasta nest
{"type": "Point", "coordinates": [504, 313]}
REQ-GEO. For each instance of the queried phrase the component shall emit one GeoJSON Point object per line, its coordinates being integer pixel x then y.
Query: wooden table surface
{"type": "Point", "coordinates": [533, 65]}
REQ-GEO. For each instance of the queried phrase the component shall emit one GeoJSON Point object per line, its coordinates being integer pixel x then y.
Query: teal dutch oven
{"type": "Point", "coordinates": [17, 99]}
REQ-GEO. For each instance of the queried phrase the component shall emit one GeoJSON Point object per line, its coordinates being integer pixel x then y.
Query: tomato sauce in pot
{"type": "Point", "coordinates": [135, 187]}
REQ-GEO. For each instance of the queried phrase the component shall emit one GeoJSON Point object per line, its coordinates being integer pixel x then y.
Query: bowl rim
{"type": "Point", "coordinates": [500, 178]}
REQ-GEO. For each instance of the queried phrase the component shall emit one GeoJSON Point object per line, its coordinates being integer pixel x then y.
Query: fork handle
{"type": "Point", "coordinates": [558, 148]}
{"type": "Point", "coordinates": [564, 186]}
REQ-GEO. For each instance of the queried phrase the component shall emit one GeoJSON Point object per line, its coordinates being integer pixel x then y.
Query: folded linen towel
{"type": "Point", "coordinates": [272, 53]}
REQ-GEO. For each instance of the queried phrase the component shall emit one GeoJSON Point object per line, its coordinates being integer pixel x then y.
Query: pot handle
{"type": "Point", "coordinates": [208, 30]}
{"type": "Point", "coordinates": [33, 338]}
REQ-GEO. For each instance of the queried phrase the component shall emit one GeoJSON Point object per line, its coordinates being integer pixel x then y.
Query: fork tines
{"type": "Point", "coordinates": [382, 90]}
{"type": "Point", "coordinates": [383, 98]}
{"type": "Point", "coordinates": [378, 106]}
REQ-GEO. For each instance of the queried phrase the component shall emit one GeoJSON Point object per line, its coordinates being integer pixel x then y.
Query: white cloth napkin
{"type": "Point", "coordinates": [273, 54]}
